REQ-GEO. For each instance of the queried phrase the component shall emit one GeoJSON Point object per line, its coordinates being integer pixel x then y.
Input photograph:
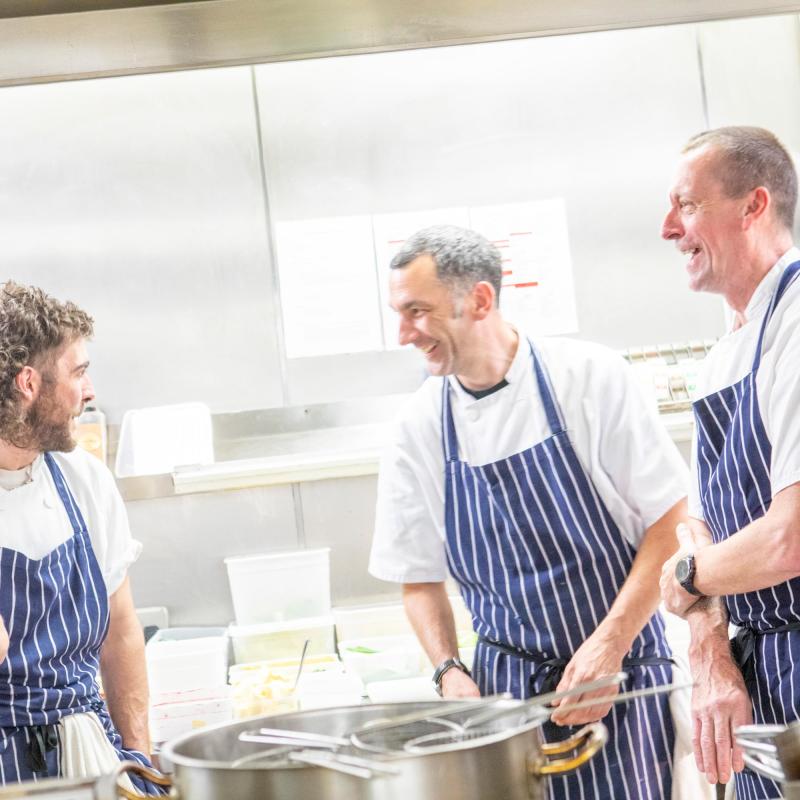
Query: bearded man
{"type": "Point", "coordinates": [65, 549]}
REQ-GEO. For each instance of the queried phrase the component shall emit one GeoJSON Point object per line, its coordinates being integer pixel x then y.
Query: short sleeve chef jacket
{"type": "Point", "coordinates": [33, 519]}
{"type": "Point", "coordinates": [777, 380]}
{"type": "Point", "coordinates": [626, 451]}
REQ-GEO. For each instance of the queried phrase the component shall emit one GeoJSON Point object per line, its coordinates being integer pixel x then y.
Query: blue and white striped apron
{"type": "Point", "coordinates": [539, 561]}
{"type": "Point", "coordinates": [733, 464]}
{"type": "Point", "coordinates": [56, 611]}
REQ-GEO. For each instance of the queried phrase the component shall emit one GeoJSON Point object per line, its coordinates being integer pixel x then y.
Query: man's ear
{"type": "Point", "coordinates": [27, 382]}
{"type": "Point", "coordinates": [758, 201]}
{"type": "Point", "coordinates": [483, 299]}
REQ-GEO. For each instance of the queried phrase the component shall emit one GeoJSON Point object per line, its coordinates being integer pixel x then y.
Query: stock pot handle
{"type": "Point", "coordinates": [590, 739]}
{"type": "Point", "coordinates": [108, 787]}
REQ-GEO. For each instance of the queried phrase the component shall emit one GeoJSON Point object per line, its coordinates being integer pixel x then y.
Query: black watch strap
{"type": "Point", "coordinates": [446, 665]}
{"type": "Point", "coordinates": [685, 571]}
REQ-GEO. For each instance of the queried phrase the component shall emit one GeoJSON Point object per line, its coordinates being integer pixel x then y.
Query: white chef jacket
{"type": "Point", "coordinates": [34, 522]}
{"type": "Point", "coordinates": [777, 380]}
{"type": "Point", "coordinates": [627, 453]}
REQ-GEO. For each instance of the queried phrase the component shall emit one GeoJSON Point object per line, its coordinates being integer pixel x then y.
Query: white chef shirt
{"type": "Point", "coordinates": [33, 520]}
{"type": "Point", "coordinates": [636, 468]}
{"type": "Point", "coordinates": [777, 380]}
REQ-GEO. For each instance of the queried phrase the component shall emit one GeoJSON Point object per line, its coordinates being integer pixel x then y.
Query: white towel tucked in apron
{"type": "Point", "coordinates": [85, 749]}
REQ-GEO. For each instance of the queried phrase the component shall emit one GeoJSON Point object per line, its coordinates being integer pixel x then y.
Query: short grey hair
{"type": "Point", "coordinates": [462, 257]}
{"type": "Point", "coordinates": [750, 157]}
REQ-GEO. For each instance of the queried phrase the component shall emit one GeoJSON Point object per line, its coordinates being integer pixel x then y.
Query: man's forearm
{"type": "Point", "coordinates": [124, 672]}
{"type": "Point", "coordinates": [431, 615]}
{"type": "Point", "coordinates": [125, 684]}
{"type": "Point", "coordinates": [762, 554]}
{"type": "Point", "coordinates": [638, 598]}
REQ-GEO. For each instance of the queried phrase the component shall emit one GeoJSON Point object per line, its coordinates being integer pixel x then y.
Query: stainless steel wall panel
{"type": "Point", "coordinates": [597, 119]}
{"type": "Point", "coordinates": [340, 514]}
{"type": "Point", "coordinates": [141, 199]}
{"type": "Point", "coordinates": [186, 539]}
{"type": "Point", "coordinates": [755, 91]}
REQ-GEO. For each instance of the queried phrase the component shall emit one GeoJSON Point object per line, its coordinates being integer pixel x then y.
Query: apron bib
{"type": "Point", "coordinates": [56, 611]}
{"type": "Point", "coordinates": [539, 561]}
{"type": "Point", "coordinates": [733, 465]}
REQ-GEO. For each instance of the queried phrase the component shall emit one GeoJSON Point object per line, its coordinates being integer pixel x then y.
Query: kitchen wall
{"type": "Point", "coordinates": [151, 201]}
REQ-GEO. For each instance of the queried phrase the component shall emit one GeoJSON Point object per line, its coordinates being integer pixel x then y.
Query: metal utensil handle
{"type": "Point", "coordinates": [625, 696]}
{"type": "Point", "coordinates": [368, 763]}
{"type": "Point", "coordinates": [767, 770]}
{"type": "Point", "coordinates": [759, 731]}
{"type": "Point", "coordinates": [544, 699]}
{"type": "Point", "coordinates": [587, 741]}
{"type": "Point", "coordinates": [420, 716]}
{"type": "Point", "coordinates": [109, 785]}
{"type": "Point", "coordinates": [304, 735]}
{"type": "Point", "coordinates": [757, 747]}
{"type": "Point", "coordinates": [318, 760]}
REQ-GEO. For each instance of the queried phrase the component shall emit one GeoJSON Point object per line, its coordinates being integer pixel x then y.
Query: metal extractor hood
{"type": "Point", "coordinates": [48, 40]}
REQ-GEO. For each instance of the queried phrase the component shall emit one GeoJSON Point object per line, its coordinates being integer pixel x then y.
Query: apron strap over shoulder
{"type": "Point", "coordinates": [787, 279]}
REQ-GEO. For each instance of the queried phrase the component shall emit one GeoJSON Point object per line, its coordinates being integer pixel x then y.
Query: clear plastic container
{"type": "Point", "coordinates": [274, 587]}
{"type": "Point", "coordinates": [182, 659]}
{"type": "Point", "coordinates": [384, 658]}
{"type": "Point", "coordinates": [282, 640]}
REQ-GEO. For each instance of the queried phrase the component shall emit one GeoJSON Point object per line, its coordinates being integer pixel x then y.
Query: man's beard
{"type": "Point", "coordinates": [44, 430]}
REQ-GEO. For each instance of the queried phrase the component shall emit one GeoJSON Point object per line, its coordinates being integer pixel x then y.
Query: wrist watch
{"type": "Point", "coordinates": [684, 573]}
{"type": "Point", "coordinates": [444, 667]}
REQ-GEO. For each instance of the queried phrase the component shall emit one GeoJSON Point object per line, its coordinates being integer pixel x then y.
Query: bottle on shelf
{"type": "Point", "coordinates": [91, 432]}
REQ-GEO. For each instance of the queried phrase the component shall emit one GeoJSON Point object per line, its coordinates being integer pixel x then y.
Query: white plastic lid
{"type": "Point", "coordinates": [280, 627]}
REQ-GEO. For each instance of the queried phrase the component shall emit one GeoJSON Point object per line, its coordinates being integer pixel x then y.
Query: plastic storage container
{"type": "Point", "coordinates": [187, 711]}
{"type": "Point", "coordinates": [281, 640]}
{"type": "Point", "coordinates": [268, 687]}
{"type": "Point", "coordinates": [159, 439]}
{"type": "Point", "coordinates": [389, 619]}
{"type": "Point", "coordinates": [384, 658]}
{"type": "Point", "coordinates": [274, 587]}
{"type": "Point", "coordinates": [182, 659]}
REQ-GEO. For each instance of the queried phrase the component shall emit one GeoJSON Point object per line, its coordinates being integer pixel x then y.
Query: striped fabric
{"type": "Point", "coordinates": [539, 561]}
{"type": "Point", "coordinates": [56, 611]}
{"type": "Point", "coordinates": [733, 464]}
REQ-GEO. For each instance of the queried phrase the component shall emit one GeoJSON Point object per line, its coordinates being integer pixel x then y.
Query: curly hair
{"type": "Point", "coordinates": [33, 327]}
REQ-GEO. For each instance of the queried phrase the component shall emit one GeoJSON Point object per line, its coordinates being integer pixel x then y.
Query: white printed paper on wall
{"type": "Point", "coordinates": [537, 288]}
{"type": "Point", "coordinates": [390, 231]}
{"type": "Point", "coordinates": [329, 294]}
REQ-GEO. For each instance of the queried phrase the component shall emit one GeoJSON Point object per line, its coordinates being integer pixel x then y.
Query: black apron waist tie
{"type": "Point", "coordinates": [41, 740]}
{"type": "Point", "coordinates": [553, 668]}
{"type": "Point", "coordinates": [743, 648]}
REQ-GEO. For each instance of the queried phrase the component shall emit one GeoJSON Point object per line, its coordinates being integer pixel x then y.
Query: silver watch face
{"type": "Point", "coordinates": [683, 570]}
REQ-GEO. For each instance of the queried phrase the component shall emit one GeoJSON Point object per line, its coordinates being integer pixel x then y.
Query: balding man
{"type": "Point", "coordinates": [731, 213]}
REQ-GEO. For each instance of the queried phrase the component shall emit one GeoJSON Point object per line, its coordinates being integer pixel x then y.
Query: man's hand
{"type": "Point", "coordinates": [456, 683]}
{"type": "Point", "coordinates": [600, 655]}
{"type": "Point", "coordinates": [3, 640]}
{"type": "Point", "coordinates": [675, 598]}
{"type": "Point", "coordinates": [720, 702]}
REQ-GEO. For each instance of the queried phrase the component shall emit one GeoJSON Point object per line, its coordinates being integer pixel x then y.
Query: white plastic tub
{"type": "Point", "coordinates": [277, 640]}
{"type": "Point", "coordinates": [384, 658]}
{"type": "Point", "coordinates": [274, 587]}
{"type": "Point", "coordinates": [182, 659]}
{"type": "Point", "coordinates": [189, 711]}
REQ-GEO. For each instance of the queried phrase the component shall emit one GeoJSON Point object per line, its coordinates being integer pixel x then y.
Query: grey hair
{"type": "Point", "coordinates": [463, 257]}
{"type": "Point", "coordinates": [750, 157]}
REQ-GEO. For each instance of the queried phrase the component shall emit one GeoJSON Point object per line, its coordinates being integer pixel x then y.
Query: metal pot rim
{"type": "Point", "coordinates": [168, 751]}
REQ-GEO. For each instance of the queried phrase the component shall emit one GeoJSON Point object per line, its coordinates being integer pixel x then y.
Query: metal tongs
{"type": "Point", "coordinates": [478, 711]}
{"type": "Point", "coordinates": [317, 749]}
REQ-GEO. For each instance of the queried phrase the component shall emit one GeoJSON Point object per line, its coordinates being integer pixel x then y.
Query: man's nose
{"type": "Point", "coordinates": [406, 333]}
{"type": "Point", "coordinates": [671, 227]}
{"type": "Point", "coordinates": [88, 390]}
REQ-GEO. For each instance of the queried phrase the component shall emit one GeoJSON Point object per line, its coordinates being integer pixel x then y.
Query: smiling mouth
{"type": "Point", "coordinates": [429, 349]}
